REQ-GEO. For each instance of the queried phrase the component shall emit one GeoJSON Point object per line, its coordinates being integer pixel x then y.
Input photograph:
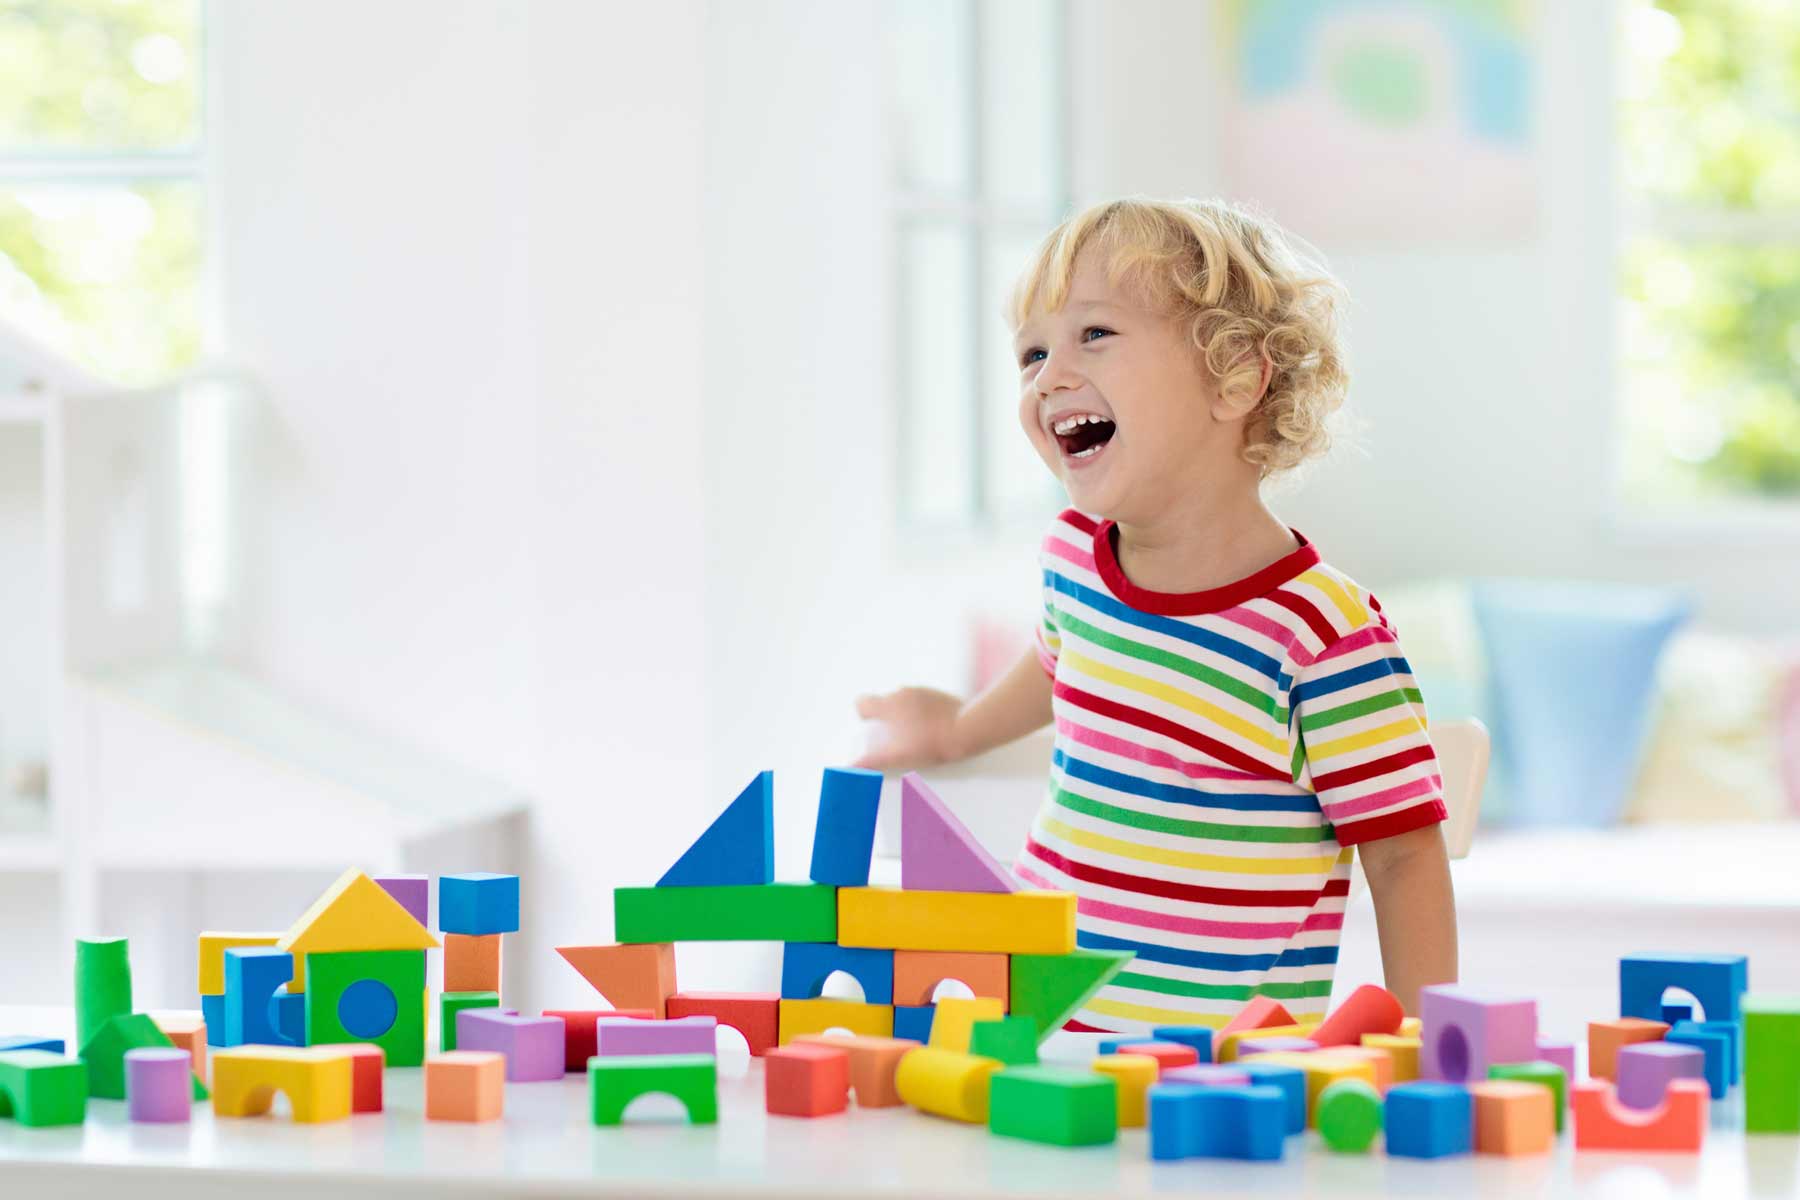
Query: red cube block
{"type": "Point", "coordinates": [580, 1041]}
{"type": "Point", "coordinates": [806, 1080]}
{"type": "Point", "coordinates": [756, 1015]}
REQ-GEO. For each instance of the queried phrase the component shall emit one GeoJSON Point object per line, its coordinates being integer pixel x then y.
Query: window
{"type": "Point", "coordinates": [100, 180]}
{"type": "Point", "coordinates": [1709, 122]}
{"type": "Point", "coordinates": [980, 173]}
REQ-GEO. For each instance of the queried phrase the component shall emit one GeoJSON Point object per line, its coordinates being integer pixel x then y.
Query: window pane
{"type": "Point", "coordinates": [81, 75]}
{"type": "Point", "coordinates": [932, 103]}
{"type": "Point", "coordinates": [937, 434]}
{"type": "Point", "coordinates": [1018, 482]}
{"type": "Point", "coordinates": [109, 275]}
{"type": "Point", "coordinates": [1022, 87]}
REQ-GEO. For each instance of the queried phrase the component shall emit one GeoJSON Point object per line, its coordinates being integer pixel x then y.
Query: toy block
{"type": "Point", "coordinates": [1771, 1063]}
{"type": "Point", "coordinates": [1643, 1071]}
{"type": "Point", "coordinates": [1559, 1052]}
{"type": "Point", "coordinates": [1412, 1027]}
{"type": "Point", "coordinates": [1203, 1074]}
{"type": "Point", "coordinates": [580, 1036]}
{"type": "Point", "coordinates": [1168, 1055]}
{"type": "Point", "coordinates": [472, 962]}
{"type": "Point", "coordinates": [1512, 1118]}
{"type": "Point", "coordinates": [476, 903]}
{"type": "Point", "coordinates": [693, 1079]}
{"type": "Point", "coordinates": [873, 1061]}
{"type": "Point", "coordinates": [628, 975]}
{"type": "Point", "coordinates": [913, 1022]}
{"type": "Point", "coordinates": [1323, 1068]}
{"type": "Point", "coordinates": [1050, 988]}
{"type": "Point", "coordinates": [756, 1015]}
{"type": "Point", "coordinates": [26, 1041]}
{"type": "Point", "coordinates": [1058, 1106]}
{"type": "Point", "coordinates": [452, 1003]}
{"type": "Point", "coordinates": [1674, 1013]}
{"type": "Point", "coordinates": [946, 1083]}
{"type": "Point", "coordinates": [1424, 1119]}
{"type": "Point", "coordinates": [1229, 1047]}
{"type": "Point", "coordinates": [1717, 981]}
{"type": "Point", "coordinates": [368, 1066]}
{"type": "Point", "coordinates": [685, 1035]}
{"type": "Point", "coordinates": [917, 974]}
{"type": "Point", "coordinates": [212, 1011]}
{"type": "Point", "coordinates": [1250, 1047]}
{"type": "Point", "coordinates": [353, 914]}
{"type": "Point", "coordinates": [105, 1053]}
{"type": "Point", "coordinates": [102, 986]}
{"type": "Point", "coordinates": [1465, 1034]}
{"type": "Point", "coordinates": [413, 892]}
{"type": "Point", "coordinates": [533, 1046]}
{"type": "Point", "coordinates": [1011, 922]}
{"type": "Point", "coordinates": [1012, 1040]}
{"type": "Point", "coordinates": [1289, 1081]}
{"type": "Point", "coordinates": [1189, 1121]}
{"type": "Point", "coordinates": [187, 1030]}
{"type": "Point", "coordinates": [1545, 1074]}
{"type": "Point", "coordinates": [1350, 1115]}
{"type": "Point", "coordinates": [1369, 1009]}
{"type": "Point", "coordinates": [1733, 1032]}
{"type": "Point", "coordinates": [1402, 1052]}
{"type": "Point", "coordinates": [772, 912]}
{"type": "Point", "coordinates": [937, 851]}
{"type": "Point", "coordinates": [288, 1009]}
{"type": "Point", "coordinates": [254, 975]}
{"type": "Point", "coordinates": [465, 1085]}
{"type": "Point", "coordinates": [1259, 1012]}
{"type": "Point", "coordinates": [1380, 1062]}
{"type": "Point", "coordinates": [956, 1017]}
{"type": "Point", "coordinates": [38, 1088]}
{"type": "Point", "coordinates": [806, 965]}
{"type": "Point", "coordinates": [373, 996]}
{"type": "Point", "coordinates": [844, 834]}
{"type": "Point", "coordinates": [817, 1016]}
{"type": "Point", "coordinates": [1200, 1037]}
{"type": "Point", "coordinates": [737, 849]}
{"type": "Point", "coordinates": [806, 1080]}
{"type": "Point", "coordinates": [1606, 1037]}
{"type": "Point", "coordinates": [1602, 1123]}
{"type": "Point", "coordinates": [1714, 1045]}
{"type": "Point", "coordinates": [316, 1080]}
{"type": "Point", "coordinates": [1132, 1074]}
{"type": "Point", "coordinates": [212, 947]}
{"type": "Point", "coordinates": [157, 1088]}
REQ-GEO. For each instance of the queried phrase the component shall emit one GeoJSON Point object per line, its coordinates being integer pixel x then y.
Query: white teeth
{"type": "Point", "coordinates": [1090, 451]}
{"type": "Point", "coordinates": [1070, 424]}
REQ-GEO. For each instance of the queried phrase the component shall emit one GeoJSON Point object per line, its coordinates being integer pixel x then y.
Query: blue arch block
{"type": "Point", "coordinates": [1717, 981]}
{"type": "Point", "coordinates": [253, 977]}
{"type": "Point", "coordinates": [844, 835]}
{"type": "Point", "coordinates": [737, 848]}
{"type": "Point", "coordinates": [806, 965]}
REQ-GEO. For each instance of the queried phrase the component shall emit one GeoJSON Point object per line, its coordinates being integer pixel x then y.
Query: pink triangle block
{"type": "Point", "coordinates": [937, 851]}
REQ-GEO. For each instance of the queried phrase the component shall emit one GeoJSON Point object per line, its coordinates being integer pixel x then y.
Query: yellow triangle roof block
{"type": "Point", "coordinates": [355, 914]}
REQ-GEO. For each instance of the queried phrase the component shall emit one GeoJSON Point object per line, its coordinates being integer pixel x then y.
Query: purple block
{"type": "Point", "coordinates": [533, 1046]}
{"type": "Point", "coordinates": [937, 851]}
{"type": "Point", "coordinates": [158, 1086]}
{"type": "Point", "coordinates": [683, 1035]}
{"type": "Point", "coordinates": [1645, 1069]}
{"type": "Point", "coordinates": [1463, 1034]}
{"type": "Point", "coordinates": [1207, 1075]}
{"type": "Point", "coordinates": [1560, 1053]}
{"type": "Point", "coordinates": [1298, 1045]}
{"type": "Point", "coordinates": [412, 891]}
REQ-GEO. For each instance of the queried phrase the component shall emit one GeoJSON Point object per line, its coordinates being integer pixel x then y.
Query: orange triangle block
{"type": "Point", "coordinates": [629, 975]}
{"type": "Point", "coordinates": [355, 913]}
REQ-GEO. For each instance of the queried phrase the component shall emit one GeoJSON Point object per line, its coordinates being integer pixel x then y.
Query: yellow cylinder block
{"type": "Point", "coordinates": [948, 1083]}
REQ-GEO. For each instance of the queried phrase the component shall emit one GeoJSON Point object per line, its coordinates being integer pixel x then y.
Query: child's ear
{"type": "Point", "coordinates": [1241, 401]}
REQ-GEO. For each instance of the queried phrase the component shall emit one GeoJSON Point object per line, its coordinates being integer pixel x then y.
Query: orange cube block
{"type": "Point", "coordinates": [1606, 1037]}
{"type": "Point", "coordinates": [1166, 1054]}
{"type": "Point", "coordinates": [465, 1085]}
{"type": "Point", "coordinates": [472, 962]}
{"type": "Point", "coordinates": [1513, 1117]}
{"type": "Point", "coordinates": [873, 1061]}
{"type": "Point", "coordinates": [806, 1080]}
{"type": "Point", "coordinates": [367, 1064]}
{"type": "Point", "coordinates": [1602, 1123]}
{"type": "Point", "coordinates": [188, 1031]}
{"type": "Point", "coordinates": [918, 972]}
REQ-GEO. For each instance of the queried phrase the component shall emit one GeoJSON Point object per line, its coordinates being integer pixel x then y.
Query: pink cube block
{"type": "Point", "coordinates": [158, 1086]}
{"type": "Point", "coordinates": [533, 1046]}
{"type": "Point", "coordinates": [1463, 1034]}
{"type": "Point", "coordinates": [1560, 1053]}
{"type": "Point", "coordinates": [1646, 1069]}
{"type": "Point", "coordinates": [683, 1035]}
{"type": "Point", "coordinates": [1207, 1075]}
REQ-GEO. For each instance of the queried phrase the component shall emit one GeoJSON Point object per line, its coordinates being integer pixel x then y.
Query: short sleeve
{"type": "Point", "coordinates": [1049, 637]}
{"type": "Point", "coordinates": [1360, 729]}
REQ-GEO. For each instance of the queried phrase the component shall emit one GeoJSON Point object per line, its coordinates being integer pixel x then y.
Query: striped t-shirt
{"type": "Point", "coordinates": [1218, 753]}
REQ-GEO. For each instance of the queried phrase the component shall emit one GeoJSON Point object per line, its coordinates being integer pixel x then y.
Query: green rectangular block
{"type": "Point", "coordinates": [1771, 1063]}
{"type": "Point", "coordinates": [375, 996]}
{"type": "Point", "coordinates": [615, 1081]}
{"type": "Point", "coordinates": [451, 1003]}
{"type": "Point", "coordinates": [1056, 1105]}
{"type": "Point", "coordinates": [39, 1088]}
{"type": "Point", "coordinates": [767, 912]}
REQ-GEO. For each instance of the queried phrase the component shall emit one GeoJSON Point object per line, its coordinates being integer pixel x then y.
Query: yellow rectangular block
{"type": "Point", "coordinates": [1322, 1070]}
{"type": "Point", "coordinates": [995, 922]}
{"type": "Point", "coordinates": [315, 1079]}
{"type": "Point", "coordinates": [1403, 1050]}
{"type": "Point", "coordinates": [1134, 1074]}
{"type": "Point", "coordinates": [1226, 1048]}
{"type": "Point", "coordinates": [212, 956]}
{"type": "Point", "coordinates": [953, 1020]}
{"type": "Point", "coordinates": [799, 1017]}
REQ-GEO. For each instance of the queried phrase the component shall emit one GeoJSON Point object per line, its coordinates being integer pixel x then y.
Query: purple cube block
{"type": "Point", "coordinates": [1645, 1069]}
{"type": "Point", "coordinates": [157, 1084]}
{"type": "Point", "coordinates": [683, 1035]}
{"type": "Point", "coordinates": [1297, 1045]}
{"type": "Point", "coordinates": [1463, 1034]}
{"type": "Point", "coordinates": [1207, 1075]}
{"type": "Point", "coordinates": [1560, 1053]}
{"type": "Point", "coordinates": [412, 891]}
{"type": "Point", "coordinates": [533, 1046]}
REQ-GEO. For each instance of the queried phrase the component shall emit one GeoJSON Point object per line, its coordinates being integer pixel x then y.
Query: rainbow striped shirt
{"type": "Point", "coordinates": [1218, 754]}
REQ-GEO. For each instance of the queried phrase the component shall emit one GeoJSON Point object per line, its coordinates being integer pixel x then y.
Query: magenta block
{"type": "Point", "coordinates": [1207, 1075]}
{"type": "Point", "coordinates": [412, 891]}
{"type": "Point", "coordinates": [158, 1084]}
{"type": "Point", "coordinates": [937, 851]}
{"type": "Point", "coordinates": [1560, 1053]}
{"type": "Point", "coordinates": [533, 1046]}
{"type": "Point", "coordinates": [1645, 1069]}
{"type": "Point", "coordinates": [629, 1035]}
{"type": "Point", "coordinates": [1463, 1034]}
{"type": "Point", "coordinates": [1297, 1045]}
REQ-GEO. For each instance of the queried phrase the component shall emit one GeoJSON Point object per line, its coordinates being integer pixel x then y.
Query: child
{"type": "Point", "coordinates": [1232, 714]}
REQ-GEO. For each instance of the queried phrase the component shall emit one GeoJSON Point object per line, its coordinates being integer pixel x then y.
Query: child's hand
{"type": "Point", "coordinates": [916, 727]}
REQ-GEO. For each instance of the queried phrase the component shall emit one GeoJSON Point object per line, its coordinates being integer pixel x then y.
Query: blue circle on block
{"type": "Point", "coordinates": [367, 1009]}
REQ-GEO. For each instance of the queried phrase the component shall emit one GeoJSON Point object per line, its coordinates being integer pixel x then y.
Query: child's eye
{"type": "Point", "coordinates": [1095, 329]}
{"type": "Point", "coordinates": [1030, 356]}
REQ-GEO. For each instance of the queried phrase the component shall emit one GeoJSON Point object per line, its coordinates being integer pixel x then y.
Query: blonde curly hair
{"type": "Point", "coordinates": [1245, 293]}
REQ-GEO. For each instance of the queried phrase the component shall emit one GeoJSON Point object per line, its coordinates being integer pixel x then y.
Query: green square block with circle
{"type": "Point", "coordinates": [375, 996]}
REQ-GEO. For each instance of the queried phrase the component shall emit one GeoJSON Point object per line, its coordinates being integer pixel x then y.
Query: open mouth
{"type": "Point", "coordinates": [1083, 434]}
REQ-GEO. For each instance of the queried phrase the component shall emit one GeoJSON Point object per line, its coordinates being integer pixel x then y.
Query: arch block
{"type": "Point", "coordinates": [693, 1079]}
{"type": "Point", "coordinates": [40, 1088]}
{"type": "Point", "coordinates": [918, 972]}
{"type": "Point", "coordinates": [806, 965]}
{"type": "Point", "coordinates": [318, 1081]}
{"type": "Point", "coordinates": [1602, 1122]}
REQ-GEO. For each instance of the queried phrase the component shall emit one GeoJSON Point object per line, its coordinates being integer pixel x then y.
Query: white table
{"type": "Point", "coordinates": [545, 1146]}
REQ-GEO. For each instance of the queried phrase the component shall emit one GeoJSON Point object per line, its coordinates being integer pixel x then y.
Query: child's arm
{"type": "Point", "coordinates": [926, 727]}
{"type": "Point", "coordinates": [1415, 910]}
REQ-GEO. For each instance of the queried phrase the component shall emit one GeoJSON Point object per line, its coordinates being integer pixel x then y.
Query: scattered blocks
{"type": "Point", "coordinates": [737, 849]}
{"type": "Point", "coordinates": [918, 972]}
{"type": "Point", "coordinates": [1200, 1037]}
{"type": "Point", "coordinates": [1013, 922]}
{"type": "Point", "coordinates": [1717, 981]}
{"type": "Point", "coordinates": [102, 988]}
{"type": "Point", "coordinates": [472, 962]}
{"type": "Point", "coordinates": [316, 1080]}
{"type": "Point", "coordinates": [1513, 1118]}
{"type": "Point", "coordinates": [1133, 1074]}
{"type": "Point", "coordinates": [104, 1054]}
{"type": "Point", "coordinates": [1054, 1105]}
{"type": "Point", "coordinates": [844, 833]}
{"type": "Point", "coordinates": [157, 1087]}
{"type": "Point", "coordinates": [772, 912]}
{"type": "Point", "coordinates": [946, 1083]}
{"type": "Point", "coordinates": [1428, 1120]}
{"type": "Point", "coordinates": [1259, 1012]}
{"type": "Point", "coordinates": [1714, 1046]}
{"type": "Point", "coordinates": [1465, 1034]}
{"type": "Point", "coordinates": [1049, 988]}
{"type": "Point", "coordinates": [1402, 1052]}
{"type": "Point", "coordinates": [1229, 1046]}
{"type": "Point", "coordinates": [937, 851]}
{"type": "Point", "coordinates": [1349, 1115]}
{"type": "Point", "coordinates": [1606, 1037]}
{"type": "Point", "coordinates": [354, 914]}
{"type": "Point", "coordinates": [465, 1085]}
{"type": "Point", "coordinates": [373, 996]}
{"type": "Point", "coordinates": [628, 975]}
{"type": "Point", "coordinates": [1168, 1055]}
{"type": "Point", "coordinates": [1771, 1063]}
{"type": "Point", "coordinates": [1381, 1063]}
{"type": "Point", "coordinates": [1644, 1071]}
{"type": "Point", "coordinates": [1204, 1074]}
{"type": "Point", "coordinates": [368, 1065]}
{"type": "Point", "coordinates": [806, 965]}
{"type": "Point", "coordinates": [873, 1062]}
{"type": "Point", "coordinates": [38, 1088]}
{"type": "Point", "coordinates": [452, 1003]}
{"type": "Point", "coordinates": [1545, 1074]}
{"type": "Point", "coordinates": [806, 1080]}
{"type": "Point", "coordinates": [1012, 1040]}
{"type": "Point", "coordinates": [1249, 1047]}
{"type": "Point", "coordinates": [913, 1022]}
{"type": "Point", "coordinates": [253, 977]}
{"type": "Point", "coordinates": [1289, 1081]}
{"type": "Point", "coordinates": [1369, 1009]}
{"type": "Point", "coordinates": [1188, 1121]}
{"type": "Point", "coordinates": [212, 949]}
{"type": "Point", "coordinates": [532, 1046]}
{"type": "Point", "coordinates": [477, 903]}
{"type": "Point", "coordinates": [683, 1035]}
{"type": "Point", "coordinates": [1602, 1123]}
{"type": "Point", "coordinates": [412, 892]}
{"type": "Point", "coordinates": [756, 1015]}
{"type": "Point", "coordinates": [956, 1016]}
{"type": "Point", "coordinates": [1323, 1068]}
{"type": "Point", "coordinates": [693, 1079]}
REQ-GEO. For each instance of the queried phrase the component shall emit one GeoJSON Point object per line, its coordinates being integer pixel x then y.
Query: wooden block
{"type": "Point", "coordinates": [806, 1080]}
{"type": "Point", "coordinates": [773, 912]}
{"type": "Point", "coordinates": [873, 1061]}
{"type": "Point", "coordinates": [465, 1085]}
{"type": "Point", "coordinates": [756, 1015]}
{"type": "Point", "coordinates": [1717, 981]}
{"type": "Point", "coordinates": [956, 1017]}
{"type": "Point", "coordinates": [1369, 1009]}
{"type": "Point", "coordinates": [1259, 1012]}
{"type": "Point", "coordinates": [1771, 1063]}
{"type": "Point", "coordinates": [946, 1083]}
{"type": "Point", "coordinates": [844, 831]}
{"type": "Point", "coordinates": [1133, 1073]}
{"type": "Point", "coordinates": [317, 1081]}
{"type": "Point", "coordinates": [799, 1017]}
{"type": "Point", "coordinates": [1606, 1037]}
{"type": "Point", "coordinates": [918, 972]}
{"type": "Point", "coordinates": [1466, 1033]}
{"type": "Point", "coordinates": [805, 966]}
{"type": "Point", "coordinates": [38, 1088]}
{"type": "Point", "coordinates": [1059, 1106]}
{"type": "Point", "coordinates": [1512, 1118]}
{"type": "Point", "coordinates": [1602, 1123]}
{"type": "Point", "coordinates": [373, 996]}
{"type": "Point", "coordinates": [478, 902]}
{"type": "Point", "coordinates": [737, 849]}
{"type": "Point", "coordinates": [472, 962]}
{"type": "Point", "coordinates": [636, 975]}
{"type": "Point", "coordinates": [353, 914]}
{"type": "Point", "coordinates": [212, 957]}
{"type": "Point", "coordinates": [1017, 922]}
{"type": "Point", "coordinates": [693, 1079]}
{"type": "Point", "coordinates": [1403, 1052]}
{"type": "Point", "coordinates": [937, 851]}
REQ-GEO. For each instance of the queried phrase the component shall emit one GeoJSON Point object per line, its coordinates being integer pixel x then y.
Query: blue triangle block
{"type": "Point", "coordinates": [737, 848]}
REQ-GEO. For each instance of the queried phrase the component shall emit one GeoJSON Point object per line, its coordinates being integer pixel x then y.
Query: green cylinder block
{"type": "Point", "coordinates": [102, 985]}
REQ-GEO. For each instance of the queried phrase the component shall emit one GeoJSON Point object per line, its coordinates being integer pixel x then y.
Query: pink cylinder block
{"type": "Point", "coordinates": [157, 1084]}
{"type": "Point", "coordinates": [1646, 1069]}
{"type": "Point", "coordinates": [683, 1035]}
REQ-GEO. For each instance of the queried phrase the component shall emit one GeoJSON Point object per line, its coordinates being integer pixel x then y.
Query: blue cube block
{"type": "Point", "coordinates": [844, 834]}
{"type": "Point", "coordinates": [1715, 1044]}
{"type": "Point", "coordinates": [1717, 981]}
{"type": "Point", "coordinates": [1428, 1120]}
{"type": "Point", "coordinates": [478, 903]}
{"type": "Point", "coordinates": [212, 1011]}
{"type": "Point", "coordinates": [914, 1021]}
{"type": "Point", "coordinates": [253, 977]}
{"type": "Point", "coordinates": [806, 965]}
{"type": "Point", "coordinates": [1197, 1036]}
{"type": "Point", "coordinates": [1291, 1081]}
{"type": "Point", "coordinates": [1193, 1121]}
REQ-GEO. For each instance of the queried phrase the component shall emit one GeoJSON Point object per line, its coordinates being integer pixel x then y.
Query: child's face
{"type": "Point", "coordinates": [1116, 401]}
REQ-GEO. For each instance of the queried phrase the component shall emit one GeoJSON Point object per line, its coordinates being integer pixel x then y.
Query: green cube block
{"type": "Point", "coordinates": [1771, 1063]}
{"type": "Point", "coordinates": [104, 1054]}
{"type": "Point", "coordinates": [375, 996]}
{"type": "Point", "coordinates": [39, 1088]}
{"type": "Point", "coordinates": [451, 1003]}
{"type": "Point", "coordinates": [1348, 1116]}
{"type": "Point", "coordinates": [1013, 1040]}
{"type": "Point", "coordinates": [615, 1081]}
{"type": "Point", "coordinates": [1546, 1073]}
{"type": "Point", "coordinates": [766, 912]}
{"type": "Point", "coordinates": [1056, 1105]}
